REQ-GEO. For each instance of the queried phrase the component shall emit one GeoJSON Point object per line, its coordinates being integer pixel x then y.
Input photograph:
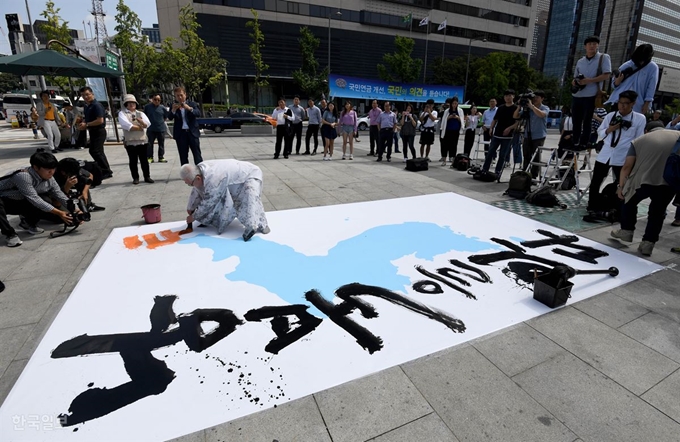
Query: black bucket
{"type": "Point", "coordinates": [552, 290]}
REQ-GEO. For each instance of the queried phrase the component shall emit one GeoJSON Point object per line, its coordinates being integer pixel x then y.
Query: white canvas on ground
{"type": "Point", "coordinates": [164, 336]}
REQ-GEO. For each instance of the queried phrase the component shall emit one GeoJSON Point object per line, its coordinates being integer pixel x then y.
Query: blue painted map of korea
{"type": "Point", "coordinates": [365, 258]}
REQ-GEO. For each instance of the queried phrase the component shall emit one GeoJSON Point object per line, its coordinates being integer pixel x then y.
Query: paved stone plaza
{"type": "Point", "coordinates": [605, 369]}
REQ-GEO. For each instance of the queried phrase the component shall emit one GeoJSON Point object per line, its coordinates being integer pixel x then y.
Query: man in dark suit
{"type": "Point", "coordinates": [185, 130]}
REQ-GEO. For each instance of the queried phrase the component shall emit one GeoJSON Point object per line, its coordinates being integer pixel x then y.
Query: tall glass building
{"type": "Point", "coordinates": [560, 35]}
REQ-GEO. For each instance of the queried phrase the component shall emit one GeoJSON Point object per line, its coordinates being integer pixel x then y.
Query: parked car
{"type": "Point", "coordinates": [268, 118]}
{"type": "Point", "coordinates": [216, 124]}
{"type": "Point", "coordinates": [554, 118]}
{"type": "Point", "coordinates": [239, 118]}
{"type": "Point", "coordinates": [363, 122]}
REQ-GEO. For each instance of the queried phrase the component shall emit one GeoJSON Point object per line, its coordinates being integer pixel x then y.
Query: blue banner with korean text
{"type": "Point", "coordinates": [353, 87]}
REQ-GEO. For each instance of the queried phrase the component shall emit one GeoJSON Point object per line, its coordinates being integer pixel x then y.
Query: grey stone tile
{"type": "Point", "coordinates": [429, 428]}
{"type": "Point", "coordinates": [11, 341]}
{"type": "Point", "coordinates": [370, 406]}
{"type": "Point", "coordinates": [198, 436]}
{"type": "Point", "coordinates": [611, 309]}
{"type": "Point", "coordinates": [664, 396]}
{"type": "Point", "coordinates": [10, 376]}
{"type": "Point", "coordinates": [479, 403]}
{"type": "Point", "coordinates": [49, 263]}
{"type": "Point", "coordinates": [37, 331]}
{"type": "Point", "coordinates": [516, 349]}
{"type": "Point", "coordinates": [287, 202]}
{"type": "Point", "coordinates": [592, 405]}
{"type": "Point", "coordinates": [659, 300]}
{"type": "Point", "coordinates": [657, 332]}
{"type": "Point", "coordinates": [664, 278]}
{"type": "Point", "coordinates": [298, 420]}
{"type": "Point", "coordinates": [25, 301]}
{"type": "Point", "coordinates": [633, 365]}
{"type": "Point", "coordinates": [11, 258]}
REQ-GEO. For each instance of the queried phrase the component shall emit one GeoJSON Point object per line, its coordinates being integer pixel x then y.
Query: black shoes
{"type": "Point", "coordinates": [306, 153]}
{"type": "Point", "coordinates": [248, 234]}
{"type": "Point", "coordinates": [149, 180]}
{"type": "Point", "coordinates": [135, 181]}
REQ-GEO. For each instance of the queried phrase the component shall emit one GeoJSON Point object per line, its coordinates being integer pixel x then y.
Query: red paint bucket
{"type": "Point", "coordinates": [152, 213]}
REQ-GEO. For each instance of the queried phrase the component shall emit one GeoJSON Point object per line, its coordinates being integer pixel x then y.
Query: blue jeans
{"type": "Point", "coordinates": [505, 146]}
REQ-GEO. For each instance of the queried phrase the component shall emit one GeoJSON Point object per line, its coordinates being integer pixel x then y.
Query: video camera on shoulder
{"type": "Point", "coordinates": [618, 119]}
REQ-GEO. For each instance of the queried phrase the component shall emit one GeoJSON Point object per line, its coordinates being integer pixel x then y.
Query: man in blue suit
{"type": "Point", "coordinates": [185, 130]}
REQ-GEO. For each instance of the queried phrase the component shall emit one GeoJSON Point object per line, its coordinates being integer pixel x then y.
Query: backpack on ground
{"type": "Point", "coordinates": [519, 185]}
{"type": "Point", "coordinates": [568, 182]}
{"type": "Point", "coordinates": [416, 164]}
{"type": "Point", "coordinates": [544, 197]}
{"type": "Point", "coordinates": [461, 162]}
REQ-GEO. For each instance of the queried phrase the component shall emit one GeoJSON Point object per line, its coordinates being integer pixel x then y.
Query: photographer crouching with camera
{"type": "Point", "coordinates": [618, 130]}
{"type": "Point", "coordinates": [25, 192]}
{"type": "Point", "coordinates": [76, 182]}
{"type": "Point", "coordinates": [535, 114]}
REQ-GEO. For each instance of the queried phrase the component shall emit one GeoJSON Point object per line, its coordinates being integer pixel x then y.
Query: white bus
{"type": "Point", "coordinates": [16, 103]}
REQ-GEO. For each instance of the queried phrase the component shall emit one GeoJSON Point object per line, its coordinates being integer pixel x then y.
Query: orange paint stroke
{"type": "Point", "coordinates": [152, 241]}
{"type": "Point", "coordinates": [132, 242]}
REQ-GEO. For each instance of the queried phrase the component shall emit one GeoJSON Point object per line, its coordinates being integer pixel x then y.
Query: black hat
{"type": "Point", "coordinates": [592, 39]}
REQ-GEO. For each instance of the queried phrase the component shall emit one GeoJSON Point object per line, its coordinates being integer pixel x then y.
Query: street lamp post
{"type": "Point", "coordinates": [467, 68]}
{"type": "Point", "coordinates": [338, 14]}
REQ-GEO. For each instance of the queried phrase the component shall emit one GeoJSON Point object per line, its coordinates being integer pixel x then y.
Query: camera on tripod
{"type": "Point", "coordinates": [625, 124]}
{"type": "Point", "coordinates": [525, 98]}
{"type": "Point", "coordinates": [74, 204]}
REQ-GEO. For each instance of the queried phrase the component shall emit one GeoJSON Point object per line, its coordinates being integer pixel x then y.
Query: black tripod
{"type": "Point", "coordinates": [517, 138]}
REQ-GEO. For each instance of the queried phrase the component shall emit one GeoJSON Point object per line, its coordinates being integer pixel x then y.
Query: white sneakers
{"type": "Point", "coordinates": [351, 157]}
{"type": "Point", "coordinates": [328, 158]}
{"type": "Point", "coordinates": [14, 241]}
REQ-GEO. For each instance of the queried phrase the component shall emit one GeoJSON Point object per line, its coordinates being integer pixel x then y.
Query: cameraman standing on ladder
{"type": "Point", "coordinates": [591, 70]}
{"type": "Point", "coordinates": [618, 130]}
{"type": "Point", "coordinates": [531, 107]}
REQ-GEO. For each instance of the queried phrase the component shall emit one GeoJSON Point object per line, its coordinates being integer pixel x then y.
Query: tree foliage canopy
{"type": "Point", "coordinates": [400, 65]}
{"type": "Point", "coordinates": [312, 82]}
{"type": "Point", "coordinates": [261, 79]}
{"type": "Point", "coordinates": [138, 57]}
{"type": "Point", "coordinates": [56, 28]}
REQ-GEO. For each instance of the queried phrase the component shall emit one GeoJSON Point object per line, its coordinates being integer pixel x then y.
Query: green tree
{"type": "Point", "coordinates": [56, 28]}
{"type": "Point", "coordinates": [449, 71]}
{"type": "Point", "coordinates": [261, 79]}
{"type": "Point", "coordinates": [673, 108]}
{"type": "Point", "coordinates": [9, 82]}
{"type": "Point", "coordinates": [138, 57]}
{"type": "Point", "coordinates": [308, 77]}
{"type": "Point", "coordinates": [487, 78]}
{"type": "Point", "coordinates": [202, 66]}
{"type": "Point", "coordinates": [400, 66]}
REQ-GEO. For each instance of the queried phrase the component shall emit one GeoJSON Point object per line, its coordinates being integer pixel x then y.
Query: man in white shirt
{"type": "Point", "coordinates": [284, 117]}
{"type": "Point", "coordinates": [618, 130]}
{"type": "Point", "coordinates": [298, 115]}
{"type": "Point", "coordinates": [487, 119]}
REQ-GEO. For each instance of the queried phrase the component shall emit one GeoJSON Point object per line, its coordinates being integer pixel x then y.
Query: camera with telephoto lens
{"type": "Point", "coordinates": [74, 204]}
{"type": "Point", "coordinates": [625, 124]}
{"type": "Point", "coordinates": [577, 87]}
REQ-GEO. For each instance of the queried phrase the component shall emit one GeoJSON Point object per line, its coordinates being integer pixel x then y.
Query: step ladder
{"type": "Point", "coordinates": [555, 169]}
{"type": "Point", "coordinates": [479, 154]}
